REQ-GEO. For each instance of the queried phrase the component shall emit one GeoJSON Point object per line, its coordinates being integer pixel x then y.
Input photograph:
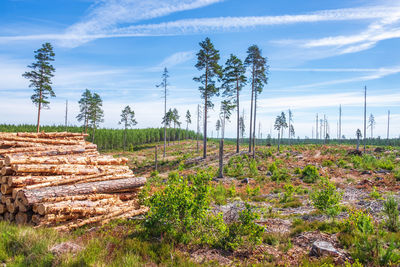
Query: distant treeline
{"type": "Point", "coordinates": [112, 138]}
{"type": "Point", "coordinates": [285, 141]}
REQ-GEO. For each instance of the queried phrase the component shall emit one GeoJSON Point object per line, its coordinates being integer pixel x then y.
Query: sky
{"type": "Point", "coordinates": [321, 55]}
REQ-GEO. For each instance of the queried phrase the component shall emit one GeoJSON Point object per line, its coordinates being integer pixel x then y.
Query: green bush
{"type": "Point", "coordinates": [390, 208]}
{"type": "Point", "coordinates": [288, 194]}
{"type": "Point", "coordinates": [253, 168]}
{"type": "Point", "coordinates": [281, 175]}
{"type": "Point", "coordinates": [273, 168]}
{"type": "Point", "coordinates": [326, 198]}
{"type": "Point", "coordinates": [179, 207]}
{"type": "Point", "coordinates": [327, 163]}
{"type": "Point", "coordinates": [310, 174]}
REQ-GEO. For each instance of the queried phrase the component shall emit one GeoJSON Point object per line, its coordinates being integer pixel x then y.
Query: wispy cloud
{"type": "Point", "coordinates": [105, 20]}
{"type": "Point", "coordinates": [174, 60]}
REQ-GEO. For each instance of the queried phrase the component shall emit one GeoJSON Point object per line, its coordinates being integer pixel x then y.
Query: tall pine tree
{"type": "Point", "coordinates": [40, 78]}
{"type": "Point", "coordinates": [84, 104]}
{"type": "Point", "coordinates": [207, 61]}
{"type": "Point", "coordinates": [233, 81]}
{"type": "Point", "coordinates": [164, 83]}
{"type": "Point", "coordinates": [128, 120]}
{"type": "Point", "coordinates": [259, 69]}
{"type": "Point", "coordinates": [96, 113]}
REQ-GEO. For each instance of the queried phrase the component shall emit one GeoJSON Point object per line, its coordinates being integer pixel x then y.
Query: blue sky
{"type": "Point", "coordinates": [321, 54]}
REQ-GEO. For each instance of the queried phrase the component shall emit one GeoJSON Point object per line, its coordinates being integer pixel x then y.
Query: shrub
{"type": "Point", "coordinates": [390, 208]}
{"type": "Point", "coordinates": [273, 168]}
{"type": "Point", "coordinates": [253, 168]}
{"type": "Point", "coordinates": [327, 163]}
{"type": "Point", "coordinates": [288, 194]}
{"type": "Point", "coordinates": [179, 207]}
{"type": "Point", "coordinates": [281, 175]}
{"type": "Point", "coordinates": [375, 194]}
{"type": "Point", "coordinates": [310, 174]}
{"type": "Point", "coordinates": [326, 198]}
{"type": "Point", "coordinates": [397, 175]}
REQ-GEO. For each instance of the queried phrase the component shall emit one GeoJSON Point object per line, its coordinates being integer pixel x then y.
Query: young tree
{"type": "Point", "coordinates": [291, 129]}
{"type": "Point", "coordinates": [218, 127]}
{"type": "Point", "coordinates": [371, 124]}
{"type": "Point", "coordinates": [164, 83]}
{"type": "Point", "coordinates": [242, 126]}
{"type": "Point", "coordinates": [188, 121]}
{"type": "Point", "coordinates": [175, 120]}
{"type": "Point", "coordinates": [96, 113]}
{"type": "Point", "coordinates": [233, 81]}
{"type": "Point", "coordinates": [225, 114]}
{"type": "Point", "coordinates": [359, 135]}
{"type": "Point", "coordinates": [128, 120]}
{"type": "Point", "coordinates": [84, 104]}
{"type": "Point", "coordinates": [280, 124]}
{"type": "Point", "coordinates": [40, 78]}
{"type": "Point", "coordinates": [207, 61]}
{"type": "Point", "coordinates": [167, 120]}
{"type": "Point", "coordinates": [259, 69]}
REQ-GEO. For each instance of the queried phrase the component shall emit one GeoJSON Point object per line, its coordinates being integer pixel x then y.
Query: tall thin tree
{"type": "Point", "coordinates": [188, 121]}
{"type": "Point", "coordinates": [259, 69]}
{"type": "Point", "coordinates": [164, 83]}
{"type": "Point", "coordinates": [340, 123]}
{"type": "Point", "coordinates": [40, 78]}
{"type": "Point", "coordinates": [233, 81]}
{"type": "Point", "coordinates": [290, 120]}
{"type": "Point", "coordinates": [388, 124]}
{"type": "Point", "coordinates": [365, 117]}
{"type": "Point", "coordinates": [84, 104]}
{"type": "Point", "coordinates": [127, 120]}
{"type": "Point", "coordinates": [96, 113]}
{"type": "Point", "coordinates": [242, 126]}
{"type": "Point", "coordinates": [207, 61]}
{"type": "Point", "coordinates": [371, 124]}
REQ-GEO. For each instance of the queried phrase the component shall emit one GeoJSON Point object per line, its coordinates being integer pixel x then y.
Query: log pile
{"type": "Point", "coordinates": [60, 180]}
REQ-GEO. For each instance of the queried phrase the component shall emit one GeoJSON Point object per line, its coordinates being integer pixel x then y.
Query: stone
{"type": "Point", "coordinates": [245, 181]}
{"type": "Point", "coordinates": [323, 248]}
{"type": "Point", "coordinates": [366, 172]}
{"type": "Point", "coordinates": [66, 247]}
{"type": "Point", "coordinates": [269, 173]}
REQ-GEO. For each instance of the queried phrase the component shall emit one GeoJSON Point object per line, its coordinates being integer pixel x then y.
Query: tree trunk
{"type": "Point", "coordinates": [238, 115]}
{"type": "Point", "coordinates": [279, 141]}
{"type": "Point", "coordinates": [251, 109]}
{"type": "Point", "coordinates": [254, 125]}
{"type": "Point", "coordinates": [39, 108]}
{"type": "Point", "coordinates": [125, 138]}
{"type": "Point", "coordinates": [221, 158]}
{"type": "Point", "coordinates": [30, 197]}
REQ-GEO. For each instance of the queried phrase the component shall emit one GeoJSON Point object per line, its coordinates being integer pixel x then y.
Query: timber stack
{"type": "Point", "coordinates": [60, 180]}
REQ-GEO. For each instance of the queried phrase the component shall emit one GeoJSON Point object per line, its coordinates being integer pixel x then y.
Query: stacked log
{"type": "Point", "coordinates": [60, 180]}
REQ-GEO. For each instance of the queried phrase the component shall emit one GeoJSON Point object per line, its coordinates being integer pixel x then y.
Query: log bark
{"type": "Point", "coordinates": [3, 208]}
{"type": "Point", "coordinates": [48, 150]}
{"type": "Point", "coordinates": [5, 189]}
{"type": "Point", "coordinates": [23, 217]}
{"type": "Point", "coordinates": [89, 160]}
{"type": "Point", "coordinates": [30, 197]}
{"type": "Point", "coordinates": [47, 141]}
{"type": "Point", "coordinates": [52, 135]}
{"type": "Point", "coordinates": [6, 171]}
{"type": "Point", "coordinates": [64, 169]}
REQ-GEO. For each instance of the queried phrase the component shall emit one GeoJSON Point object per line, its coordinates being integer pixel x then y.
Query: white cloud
{"type": "Point", "coordinates": [174, 60]}
{"type": "Point", "coordinates": [105, 19]}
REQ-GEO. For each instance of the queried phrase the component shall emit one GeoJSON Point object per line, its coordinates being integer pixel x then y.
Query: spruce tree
{"type": "Point", "coordinates": [40, 78]}
{"type": "Point", "coordinates": [207, 61]}
{"type": "Point", "coordinates": [84, 104]}
{"type": "Point", "coordinates": [128, 120]}
{"type": "Point", "coordinates": [233, 81]}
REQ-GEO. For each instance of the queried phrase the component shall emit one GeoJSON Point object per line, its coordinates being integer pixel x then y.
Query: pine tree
{"type": "Point", "coordinates": [40, 78]}
{"type": "Point", "coordinates": [188, 121]}
{"type": "Point", "coordinates": [96, 113]}
{"type": "Point", "coordinates": [207, 61]}
{"type": "Point", "coordinates": [164, 83]}
{"type": "Point", "coordinates": [233, 81]}
{"type": "Point", "coordinates": [242, 126]}
{"type": "Point", "coordinates": [218, 127]}
{"type": "Point", "coordinates": [167, 121]}
{"type": "Point", "coordinates": [371, 124]}
{"type": "Point", "coordinates": [84, 104]}
{"type": "Point", "coordinates": [128, 120]}
{"type": "Point", "coordinates": [225, 114]}
{"type": "Point", "coordinates": [280, 124]}
{"type": "Point", "coordinates": [291, 129]}
{"type": "Point", "coordinates": [259, 70]}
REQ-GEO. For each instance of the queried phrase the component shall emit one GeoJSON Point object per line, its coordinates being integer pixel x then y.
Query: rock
{"type": "Point", "coordinates": [231, 211]}
{"type": "Point", "coordinates": [366, 172]}
{"type": "Point", "coordinates": [378, 178]}
{"type": "Point", "coordinates": [379, 150]}
{"type": "Point", "coordinates": [66, 247]}
{"type": "Point", "coordinates": [354, 152]}
{"type": "Point", "coordinates": [269, 173]}
{"type": "Point", "coordinates": [382, 171]}
{"type": "Point", "coordinates": [245, 181]}
{"type": "Point", "coordinates": [322, 248]}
